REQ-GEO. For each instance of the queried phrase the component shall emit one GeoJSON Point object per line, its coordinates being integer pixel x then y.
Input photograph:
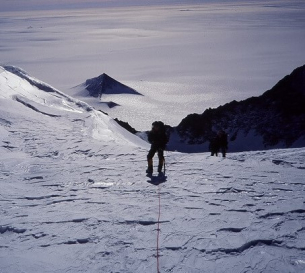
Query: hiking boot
{"type": "Point", "coordinates": [149, 170]}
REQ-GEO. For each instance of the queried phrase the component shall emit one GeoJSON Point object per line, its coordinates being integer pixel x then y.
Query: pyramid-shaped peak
{"type": "Point", "coordinates": [104, 84]}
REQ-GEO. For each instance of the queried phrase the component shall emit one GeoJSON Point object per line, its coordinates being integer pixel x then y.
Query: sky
{"type": "Point", "coordinates": [19, 5]}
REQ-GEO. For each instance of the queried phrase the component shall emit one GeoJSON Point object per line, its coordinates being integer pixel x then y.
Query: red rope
{"type": "Point", "coordinates": [158, 230]}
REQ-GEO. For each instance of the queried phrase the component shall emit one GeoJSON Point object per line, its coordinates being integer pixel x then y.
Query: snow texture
{"type": "Point", "coordinates": [74, 196]}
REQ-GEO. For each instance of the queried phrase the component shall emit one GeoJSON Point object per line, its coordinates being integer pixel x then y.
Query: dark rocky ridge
{"type": "Point", "coordinates": [104, 84]}
{"type": "Point", "coordinates": [126, 126]}
{"type": "Point", "coordinates": [277, 117]}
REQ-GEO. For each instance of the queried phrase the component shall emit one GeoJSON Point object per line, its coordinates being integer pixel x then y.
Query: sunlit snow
{"type": "Point", "coordinates": [74, 197]}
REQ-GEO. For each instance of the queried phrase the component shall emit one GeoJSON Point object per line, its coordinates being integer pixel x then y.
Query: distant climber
{"type": "Point", "coordinates": [214, 146]}
{"type": "Point", "coordinates": [223, 142]}
{"type": "Point", "coordinates": [219, 142]}
{"type": "Point", "coordinates": [158, 139]}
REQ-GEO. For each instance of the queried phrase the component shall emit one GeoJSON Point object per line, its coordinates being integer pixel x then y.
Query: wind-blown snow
{"type": "Point", "coordinates": [74, 197]}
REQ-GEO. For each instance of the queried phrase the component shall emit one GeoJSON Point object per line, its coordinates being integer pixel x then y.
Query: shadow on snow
{"type": "Point", "coordinates": [157, 179]}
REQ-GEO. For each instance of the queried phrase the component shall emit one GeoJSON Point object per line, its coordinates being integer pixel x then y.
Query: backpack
{"type": "Point", "coordinates": [159, 124]}
{"type": "Point", "coordinates": [162, 131]}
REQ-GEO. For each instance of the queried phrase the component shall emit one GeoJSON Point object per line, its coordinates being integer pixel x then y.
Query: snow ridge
{"type": "Point", "coordinates": [33, 81]}
{"type": "Point", "coordinates": [42, 98]}
{"type": "Point", "coordinates": [25, 102]}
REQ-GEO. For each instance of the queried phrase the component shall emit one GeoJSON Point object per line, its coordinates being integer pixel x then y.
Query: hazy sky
{"type": "Point", "coordinates": [14, 5]}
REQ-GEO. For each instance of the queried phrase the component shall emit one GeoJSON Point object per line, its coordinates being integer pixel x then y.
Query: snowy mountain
{"type": "Point", "coordinates": [74, 196]}
{"type": "Point", "coordinates": [101, 92]}
{"type": "Point", "coordinates": [275, 119]}
{"type": "Point", "coordinates": [104, 84]}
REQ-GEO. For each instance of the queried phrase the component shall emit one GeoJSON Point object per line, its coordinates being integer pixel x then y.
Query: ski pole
{"type": "Point", "coordinates": [164, 162]}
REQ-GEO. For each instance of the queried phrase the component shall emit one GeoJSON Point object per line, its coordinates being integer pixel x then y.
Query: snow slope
{"type": "Point", "coordinates": [74, 197]}
{"type": "Point", "coordinates": [18, 87]}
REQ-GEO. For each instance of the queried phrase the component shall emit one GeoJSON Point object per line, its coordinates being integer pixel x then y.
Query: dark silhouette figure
{"type": "Point", "coordinates": [223, 142]}
{"type": "Point", "coordinates": [158, 139]}
{"type": "Point", "coordinates": [214, 146]}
